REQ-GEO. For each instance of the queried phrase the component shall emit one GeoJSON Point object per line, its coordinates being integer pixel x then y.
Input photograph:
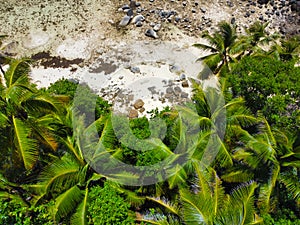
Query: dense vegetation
{"type": "Point", "coordinates": [45, 177]}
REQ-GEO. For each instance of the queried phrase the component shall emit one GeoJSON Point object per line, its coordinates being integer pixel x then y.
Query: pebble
{"type": "Point", "coordinates": [138, 18]}
{"type": "Point", "coordinates": [135, 69]}
{"type": "Point", "coordinates": [182, 77]}
{"type": "Point", "coordinates": [157, 27]}
{"type": "Point", "coordinates": [124, 21]}
{"type": "Point", "coordinates": [185, 84]}
{"type": "Point", "coordinates": [151, 33]}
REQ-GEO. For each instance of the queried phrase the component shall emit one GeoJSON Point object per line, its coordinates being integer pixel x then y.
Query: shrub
{"type": "Point", "coordinates": [107, 207]}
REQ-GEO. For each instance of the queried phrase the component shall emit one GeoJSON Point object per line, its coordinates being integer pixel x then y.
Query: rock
{"type": "Point", "coordinates": [138, 18]}
{"type": "Point", "coordinates": [184, 95]}
{"type": "Point", "coordinates": [157, 27]}
{"type": "Point", "coordinates": [230, 4]}
{"type": "Point", "coordinates": [130, 13]}
{"type": "Point", "coordinates": [185, 84]}
{"type": "Point", "coordinates": [169, 90]}
{"type": "Point", "coordinates": [124, 7]}
{"type": "Point", "coordinates": [177, 89]}
{"type": "Point", "coordinates": [203, 10]}
{"type": "Point", "coordinates": [263, 1]}
{"type": "Point", "coordinates": [139, 24]}
{"type": "Point", "coordinates": [132, 4]}
{"type": "Point", "coordinates": [135, 69]}
{"type": "Point", "coordinates": [151, 33]}
{"type": "Point", "coordinates": [232, 20]}
{"type": "Point", "coordinates": [124, 22]}
{"type": "Point", "coordinates": [141, 110]}
{"type": "Point", "coordinates": [182, 77]}
{"type": "Point", "coordinates": [133, 114]}
{"type": "Point", "coordinates": [138, 104]}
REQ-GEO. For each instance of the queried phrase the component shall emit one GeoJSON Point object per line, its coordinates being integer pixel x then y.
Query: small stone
{"type": "Point", "coordinates": [185, 84]}
{"type": "Point", "coordinates": [203, 10]}
{"type": "Point", "coordinates": [139, 24]}
{"type": "Point", "coordinates": [141, 110]}
{"type": "Point", "coordinates": [182, 77]}
{"type": "Point", "coordinates": [124, 7]}
{"type": "Point", "coordinates": [157, 27]}
{"type": "Point", "coordinates": [133, 114]}
{"type": "Point", "coordinates": [177, 89]}
{"type": "Point", "coordinates": [151, 33]}
{"type": "Point", "coordinates": [135, 69]}
{"type": "Point", "coordinates": [169, 90]}
{"type": "Point", "coordinates": [184, 95]}
{"type": "Point", "coordinates": [130, 13]}
{"type": "Point", "coordinates": [138, 104]}
{"type": "Point", "coordinates": [124, 21]}
{"type": "Point", "coordinates": [138, 18]}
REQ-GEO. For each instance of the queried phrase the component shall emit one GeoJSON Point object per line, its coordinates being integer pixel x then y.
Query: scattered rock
{"type": "Point", "coordinates": [133, 114]}
{"type": "Point", "coordinates": [124, 22]}
{"type": "Point", "coordinates": [184, 95]}
{"type": "Point", "coordinates": [157, 27]}
{"type": "Point", "coordinates": [151, 33]}
{"type": "Point", "coordinates": [141, 110]}
{"type": "Point", "coordinates": [182, 77]}
{"type": "Point", "coordinates": [169, 90]}
{"type": "Point", "coordinates": [138, 18]}
{"type": "Point", "coordinates": [185, 84]}
{"type": "Point", "coordinates": [135, 69]}
{"type": "Point", "coordinates": [138, 104]}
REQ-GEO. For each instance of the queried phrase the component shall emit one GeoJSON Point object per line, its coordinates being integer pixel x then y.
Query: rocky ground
{"type": "Point", "coordinates": [113, 45]}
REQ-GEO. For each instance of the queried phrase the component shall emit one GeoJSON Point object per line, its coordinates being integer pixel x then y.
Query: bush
{"type": "Point", "coordinates": [269, 86]}
{"type": "Point", "coordinates": [12, 213]}
{"type": "Point", "coordinates": [108, 207]}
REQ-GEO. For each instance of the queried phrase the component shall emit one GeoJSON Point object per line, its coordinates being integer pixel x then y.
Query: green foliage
{"type": "Point", "coordinates": [282, 217]}
{"type": "Point", "coordinates": [270, 86]}
{"type": "Point", "coordinates": [63, 87]}
{"type": "Point", "coordinates": [108, 207]}
{"type": "Point", "coordinates": [85, 98]}
{"type": "Point", "coordinates": [17, 214]}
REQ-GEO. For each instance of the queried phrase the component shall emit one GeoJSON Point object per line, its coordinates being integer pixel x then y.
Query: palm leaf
{"type": "Point", "coordinates": [67, 202]}
{"type": "Point", "coordinates": [166, 204]}
{"type": "Point", "coordinates": [80, 216]}
{"type": "Point", "coordinates": [26, 147]}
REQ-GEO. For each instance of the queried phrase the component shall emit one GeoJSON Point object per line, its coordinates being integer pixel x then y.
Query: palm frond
{"type": "Point", "coordinates": [67, 202]}
{"type": "Point", "coordinates": [26, 147]}
{"type": "Point", "coordinates": [80, 216]}
{"type": "Point", "coordinates": [166, 204]}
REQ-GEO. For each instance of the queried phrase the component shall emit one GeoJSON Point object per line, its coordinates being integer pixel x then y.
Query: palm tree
{"type": "Point", "coordinates": [266, 157]}
{"type": "Point", "coordinates": [66, 179]}
{"type": "Point", "coordinates": [223, 46]}
{"type": "Point", "coordinates": [256, 37]}
{"type": "Point", "coordinates": [25, 118]}
{"type": "Point", "coordinates": [288, 49]}
{"type": "Point", "coordinates": [207, 204]}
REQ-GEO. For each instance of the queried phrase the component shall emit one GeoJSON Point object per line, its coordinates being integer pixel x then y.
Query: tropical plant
{"type": "Point", "coordinates": [287, 50]}
{"type": "Point", "coordinates": [25, 117]}
{"type": "Point", "coordinates": [207, 203]}
{"type": "Point", "coordinates": [108, 207]}
{"type": "Point", "coordinates": [223, 46]}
